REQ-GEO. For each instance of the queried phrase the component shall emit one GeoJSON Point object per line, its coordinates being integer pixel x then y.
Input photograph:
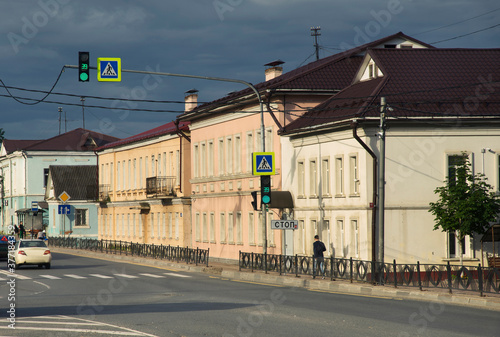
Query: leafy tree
{"type": "Point", "coordinates": [466, 203]}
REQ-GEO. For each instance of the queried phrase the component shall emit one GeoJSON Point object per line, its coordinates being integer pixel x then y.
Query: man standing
{"type": "Point", "coordinates": [22, 232]}
{"type": "Point", "coordinates": [318, 248]}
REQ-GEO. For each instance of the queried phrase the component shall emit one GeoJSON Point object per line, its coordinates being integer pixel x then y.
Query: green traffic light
{"type": "Point", "coordinates": [266, 199]}
{"type": "Point", "coordinates": [84, 77]}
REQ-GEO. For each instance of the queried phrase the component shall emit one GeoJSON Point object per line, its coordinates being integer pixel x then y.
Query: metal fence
{"type": "Point", "coordinates": [172, 253]}
{"type": "Point", "coordinates": [447, 276]}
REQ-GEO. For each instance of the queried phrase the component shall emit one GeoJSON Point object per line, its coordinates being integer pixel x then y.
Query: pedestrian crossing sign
{"type": "Point", "coordinates": [263, 163]}
{"type": "Point", "coordinates": [109, 69]}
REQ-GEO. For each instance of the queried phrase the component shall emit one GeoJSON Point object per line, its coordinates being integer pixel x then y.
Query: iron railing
{"type": "Point", "coordinates": [450, 277]}
{"type": "Point", "coordinates": [172, 253]}
{"type": "Point", "coordinates": [160, 185]}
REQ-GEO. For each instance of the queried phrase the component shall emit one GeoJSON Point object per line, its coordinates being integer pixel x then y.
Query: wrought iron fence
{"type": "Point", "coordinates": [450, 277]}
{"type": "Point", "coordinates": [172, 253]}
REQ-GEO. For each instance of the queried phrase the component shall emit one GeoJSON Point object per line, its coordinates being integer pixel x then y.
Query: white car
{"type": "Point", "coordinates": [34, 252]}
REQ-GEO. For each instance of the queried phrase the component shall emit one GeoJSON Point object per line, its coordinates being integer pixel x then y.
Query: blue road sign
{"type": "Point", "coordinates": [109, 69]}
{"type": "Point", "coordinates": [34, 206]}
{"type": "Point", "coordinates": [263, 163]}
{"type": "Point", "coordinates": [64, 209]}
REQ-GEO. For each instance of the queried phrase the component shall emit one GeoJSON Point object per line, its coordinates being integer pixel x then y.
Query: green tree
{"type": "Point", "coordinates": [466, 203]}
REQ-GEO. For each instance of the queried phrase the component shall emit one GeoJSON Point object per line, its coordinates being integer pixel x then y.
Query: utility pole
{"type": "Point", "coordinates": [82, 99]}
{"type": "Point", "coordinates": [315, 31]}
{"type": "Point", "coordinates": [381, 182]}
{"type": "Point", "coordinates": [60, 111]}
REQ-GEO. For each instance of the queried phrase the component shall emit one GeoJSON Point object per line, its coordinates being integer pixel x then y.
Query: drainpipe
{"type": "Point", "coordinates": [354, 126]}
{"type": "Point", "coordinates": [25, 178]}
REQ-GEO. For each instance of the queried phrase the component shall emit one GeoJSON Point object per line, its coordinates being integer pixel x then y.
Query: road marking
{"type": "Point", "coordinates": [152, 275]}
{"type": "Point", "coordinates": [176, 275]}
{"type": "Point", "coordinates": [350, 294]}
{"type": "Point", "coordinates": [262, 284]}
{"type": "Point", "coordinates": [9, 274]}
{"type": "Point", "coordinates": [100, 276]}
{"type": "Point", "coordinates": [126, 276]}
{"type": "Point", "coordinates": [74, 276]}
{"type": "Point", "coordinates": [52, 277]}
{"type": "Point", "coordinates": [87, 326]}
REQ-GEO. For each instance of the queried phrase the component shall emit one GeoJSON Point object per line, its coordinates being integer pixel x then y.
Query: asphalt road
{"type": "Point", "coordinates": [83, 296]}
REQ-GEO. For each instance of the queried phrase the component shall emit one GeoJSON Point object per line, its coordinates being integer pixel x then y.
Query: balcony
{"type": "Point", "coordinates": [158, 186]}
{"type": "Point", "coordinates": [104, 192]}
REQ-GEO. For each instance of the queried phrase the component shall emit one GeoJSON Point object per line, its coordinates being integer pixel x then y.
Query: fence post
{"type": "Point", "coordinates": [265, 262]}
{"type": "Point", "coordinates": [418, 275]}
{"type": "Point", "coordinates": [208, 255]}
{"type": "Point", "coordinates": [296, 265]}
{"type": "Point", "coordinates": [448, 272]}
{"type": "Point", "coordinates": [350, 267]}
{"type": "Point", "coordinates": [196, 257]}
{"type": "Point", "coordinates": [395, 273]}
{"type": "Point", "coordinates": [187, 254]}
{"type": "Point", "coordinates": [331, 268]}
{"type": "Point", "coordinates": [252, 262]}
{"type": "Point", "coordinates": [281, 258]}
{"type": "Point", "coordinates": [480, 279]}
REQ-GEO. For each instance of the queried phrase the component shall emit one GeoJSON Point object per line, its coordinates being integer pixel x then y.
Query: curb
{"type": "Point", "coordinates": [341, 287]}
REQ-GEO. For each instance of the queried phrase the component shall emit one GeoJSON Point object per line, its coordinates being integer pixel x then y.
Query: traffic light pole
{"type": "Point", "coordinates": [220, 79]}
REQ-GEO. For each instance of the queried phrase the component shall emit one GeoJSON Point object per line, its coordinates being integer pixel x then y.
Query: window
{"type": "Point", "coordinates": [454, 245]}
{"type": "Point", "coordinates": [269, 139]}
{"type": "Point", "coordinates": [251, 228]}
{"type": "Point", "coordinates": [325, 177]}
{"type": "Point", "coordinates": [170, 225]}
{"type": "Point", "coordinates": [134, 174]}
{"type": "Point", "coordinates": [203, 160]}
{"type": "Point", "coordinates": [118, 185]}
{"type": "Point", "coordinates": [454, 161]}
{"type": "Point", "coordinates": [164, 229]}
{"type": "Point", "coordinates": [205, 227]}
{"type": "Point", "coordinates": [249, 151]}
{"type": "Point", "coordinates": [325, 236]}
{"type": "Point", "coordinates": [111, 183]}
{"type": "Point", "coordinates": [229, 152]}
{"type": "Point", "coordinates": [128, 225]}
{"type": "Point", "coordinates": [222, 228]}
{"type": "Point", "coordinates": [211, 158]}
{"type": "Point", "coordinates": [300, 238]}
{"type": "Point", "coordinates": [340, 238]}
{"type": "Point", "coordinates": [81, 217]}
{"type": "Point", "coordinates": [141, 181]}
{"type": "Point", "coordinates": [212, 227]}
{"type": "Point", "coordinates": [301, 178]}
{"type": "Point", "coordinates": [153, 166]}
{"type": "Point", "coordinates": [230, 227]}
{"type": "Point", "coordinates": [220, 154]}
{"type": "Point", "coordinates": [237, 153]}
{"type": "Point", "coordinates": [152, 223]}
{"type": "Point", "coordinates": [353, 175]}
{"type": "Point", "coordinates": [354, 238]}
{"type": "Point", "coordinates": [123, 176]}
{"type": "Point", "coordinates": [197, 227]}
{"type": "Point", "coordinates": [313, 176]}
{"type": "Point", "coordinates": [134, 227]}
{"type": "Point", "coordinates": [339, 176]}
{"type": "Point", "coordinates": [239, 228]}
{"type": "Point", "coordinates": [45, 176]}
{"type": "Point", "coordinates": [177, 225]}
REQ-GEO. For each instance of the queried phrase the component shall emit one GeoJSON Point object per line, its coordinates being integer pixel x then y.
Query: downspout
{"type": "Point", "coordinates": [354, 126]}
{"type": "Point", "coordinates": [268, 95]}
{"type": "Point", "coordinates": [25, 179]}
{"type": "Point", "coordinates": [97, 176]}
{"type": "Point", "coordinates": [181, 135]}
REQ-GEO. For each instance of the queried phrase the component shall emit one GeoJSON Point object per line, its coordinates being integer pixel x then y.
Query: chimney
{"type": "Point", "coordinates": [275, 69]}
{"type": "Point", "coordinates": [190, 100]}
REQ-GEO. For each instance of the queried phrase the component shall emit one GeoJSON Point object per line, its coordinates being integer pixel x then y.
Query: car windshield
{"type": "Point", "coordinates": [37, 243]}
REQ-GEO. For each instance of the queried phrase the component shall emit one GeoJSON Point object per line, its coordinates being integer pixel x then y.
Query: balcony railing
{"type": "Point", "coordinates": [160, 185]}
{"type": "Point", "coordinates": [104, 192]}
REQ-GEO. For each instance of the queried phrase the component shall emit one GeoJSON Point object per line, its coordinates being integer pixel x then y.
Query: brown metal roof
{"type": "Point", "coordinates": [417, 83]}
{"type": "Point", "coordinates": [165, 129]}
{"type": "Point", "coordinates": [75, 140]}
{"type": "Point", "coordinates": [330, 73]}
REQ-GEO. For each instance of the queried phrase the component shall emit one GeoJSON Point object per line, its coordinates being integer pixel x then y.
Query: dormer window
{"type": "Point", "coordinates": [406, 46]}
{"type": "Point", "coordinates": [90, 142]}
{"type": "Point", "coordinates": [391, 46]}
{"type": "Point", "coordinates": [370, 71]}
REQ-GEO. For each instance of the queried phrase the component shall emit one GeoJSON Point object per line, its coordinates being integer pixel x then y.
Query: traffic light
{"type": "Point", "coordinates": [265, 189]}
{"type": "Point", "coordinates": [83, 66]}
{"type": "Point", "coordinates": [254, 200]}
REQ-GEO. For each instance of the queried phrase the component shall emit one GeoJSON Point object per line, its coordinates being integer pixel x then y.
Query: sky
{"type": "Point", "coordinates": [218, 38]}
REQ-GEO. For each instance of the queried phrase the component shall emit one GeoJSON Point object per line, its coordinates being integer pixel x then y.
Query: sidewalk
{"type": "Point", "coordinates": [231, 271]}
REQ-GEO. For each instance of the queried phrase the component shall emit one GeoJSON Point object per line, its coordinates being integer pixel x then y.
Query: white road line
{"type": "Point", "coordinates": [52, 277]}
{"type": "Point", "coordinates": [100, 276]}
{"type": "Point", "coordinates": [126, 276]}
{"type": "Point", "coordinates": [176, 275]}
{"type": "Point", "coordinates": [152, 275]}
{"type": "Point", "coordinates": [105, 332]}
{"type": "Point", "coordinates": [74, 276]}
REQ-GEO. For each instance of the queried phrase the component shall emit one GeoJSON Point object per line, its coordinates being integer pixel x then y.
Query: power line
{"type": "Point", "coordinates": [477, 31]}
{"type": "Point", "coordinates": [456, 23]}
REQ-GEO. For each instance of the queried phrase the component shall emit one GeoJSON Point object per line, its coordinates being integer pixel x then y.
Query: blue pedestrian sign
{"type": "Point", "coordinates": [263, 163]}
{"type": "Point", "coordinates": [64, 209]}
{"type": "Point", "coordinates": [109, 69]}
